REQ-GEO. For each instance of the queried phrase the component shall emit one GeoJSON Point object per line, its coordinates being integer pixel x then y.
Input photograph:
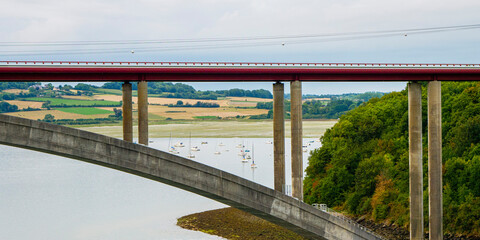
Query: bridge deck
{"type": "Point", "coordinates": [231, 71]}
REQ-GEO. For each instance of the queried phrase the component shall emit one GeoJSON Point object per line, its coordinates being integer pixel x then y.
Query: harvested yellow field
{"type": "Point", "coordinates": [25, 104]}
{"type": "Point", "coordinates": [78, 97]}
{"type": "Point", "coordinates": [160, 101]}
{"type": "Point", "coordinates": [34, 115]}
{"type": "Point", "coordinates": [15, 91]}
{"type": "Point", "coordinates": [107, 97]}
{"type": "Point", "coordinates": [190, 113]}
{"type": "Point", "coordinates": [230, 101]}
{"type": "Point", "coordinates": [249, 99]}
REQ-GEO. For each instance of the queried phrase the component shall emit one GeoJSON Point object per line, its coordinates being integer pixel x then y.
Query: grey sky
{"type": "Point", "coordinates": [88, 20]}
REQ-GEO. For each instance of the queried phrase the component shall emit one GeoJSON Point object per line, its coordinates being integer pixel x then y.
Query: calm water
{"type": "Point", "coordinates": [49, 197]}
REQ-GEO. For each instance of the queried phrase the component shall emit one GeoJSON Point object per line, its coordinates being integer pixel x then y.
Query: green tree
{"type": "Point", "coordinates": [49, 118]}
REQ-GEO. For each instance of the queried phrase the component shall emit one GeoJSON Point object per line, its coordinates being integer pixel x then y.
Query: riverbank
{"type": "Point", "coordinates": [232, 223]}
{"type": "Point", "coordinates": [218, 129]}
{"type": "Point", "coordinates": [393, 232]}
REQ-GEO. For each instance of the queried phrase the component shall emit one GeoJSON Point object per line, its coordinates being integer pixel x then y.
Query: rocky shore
{"type": "Point", "coordinates": [231, 223]}
{"type": "Point", "coordinates": [394, 232]}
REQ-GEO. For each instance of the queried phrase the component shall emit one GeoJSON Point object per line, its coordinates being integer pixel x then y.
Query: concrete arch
{"type": "Point", "coordinates": [178, 172]}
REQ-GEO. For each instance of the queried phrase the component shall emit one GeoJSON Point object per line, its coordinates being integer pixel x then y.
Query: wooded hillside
{"type": "Point", "coordinates": [362, 167]}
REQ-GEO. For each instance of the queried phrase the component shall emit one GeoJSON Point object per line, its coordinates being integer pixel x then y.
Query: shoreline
{"type": "Point", "coordinates": [231, 223]}
{"type": "Point", "coordinates": [217, 129]}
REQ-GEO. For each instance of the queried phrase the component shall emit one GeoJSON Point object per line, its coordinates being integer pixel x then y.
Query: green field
{"type": "Point", "coordinates": [218, 129]}
{"type": "Point", "coordinates": [206, 117]}
{"type": "Point", "coordinates": [61, 102]}
{"type": "Point", "coordinates": [85, 110]}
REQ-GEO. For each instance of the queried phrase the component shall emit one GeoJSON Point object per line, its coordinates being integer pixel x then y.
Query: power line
{"type": "Point", "coordinates": [216, 43]}
{"type": "Point", "coordinates": [255, 38]}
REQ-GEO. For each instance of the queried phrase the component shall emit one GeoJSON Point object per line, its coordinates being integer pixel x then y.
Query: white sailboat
{"type": "Point", "coordinates": [171, 149]}
{"type": "Point", "coordinates": [217, 152]}
{"type": "Point", "coordinates": [195, 149]}
{"type": "Point", "coordinates": [253, 165]}
{"type": "Point", "coordinates": [190, 155]}
{"type": "Point", "coordinates": [179, 144]}
{"type": "Point", "coordinates": [243, 154]}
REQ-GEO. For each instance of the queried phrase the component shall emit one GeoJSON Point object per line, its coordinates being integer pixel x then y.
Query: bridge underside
{"type": "Point", "coordinates": [178, 172]}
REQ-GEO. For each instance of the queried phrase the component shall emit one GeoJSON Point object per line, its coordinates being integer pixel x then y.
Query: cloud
{"type": "Point", "coordinates": [54, 20]}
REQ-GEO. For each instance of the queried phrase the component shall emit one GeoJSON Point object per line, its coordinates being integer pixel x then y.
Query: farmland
{"type": "Point", "coordinates": [61, 102]}
{"type": "Point", "coordinates": [85, 110]}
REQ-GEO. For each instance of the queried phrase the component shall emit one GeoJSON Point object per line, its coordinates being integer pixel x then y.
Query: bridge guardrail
{"type": "Point", "coordinates": [324, 208]}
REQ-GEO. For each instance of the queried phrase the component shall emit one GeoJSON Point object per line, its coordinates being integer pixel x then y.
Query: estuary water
{"type": "Point", "coordinates": [49, 197]}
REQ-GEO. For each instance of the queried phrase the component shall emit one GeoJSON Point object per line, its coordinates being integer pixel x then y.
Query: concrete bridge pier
{"type": "Point", "coordinates": [415, 160]}
{"type": "Point", "coordinates": [127, 112]}
{"type": "Point", "coordinates": [279, 137]}
{"type": "Point", "coordinates": [142, 113]}
{"type": "Point", "coordinates": [296, 126]}
{"type": "Point", "coordinates": [435, 160]}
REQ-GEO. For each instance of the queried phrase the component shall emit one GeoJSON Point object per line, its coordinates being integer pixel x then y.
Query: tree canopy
{"type": "Point", "coordinates": [362, 167]}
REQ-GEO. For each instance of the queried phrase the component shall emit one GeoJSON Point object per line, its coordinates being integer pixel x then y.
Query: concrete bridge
{"type": "Point", "coordinates": [179, 172]}
{"type": "Point", "coordinates": [295, 74]}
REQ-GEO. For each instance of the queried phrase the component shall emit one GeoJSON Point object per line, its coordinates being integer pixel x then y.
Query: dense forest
{"type": "Point", "coordinates": [6, 107]}
{"type": "Point", "coordinates": [17, 85]}
{"type": "Point", "coordinates": [362, 166]}
{"type": "Point", "coordinates": [313, 109]}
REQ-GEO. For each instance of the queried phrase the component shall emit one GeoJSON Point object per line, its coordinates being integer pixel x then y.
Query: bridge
{"type": "Point", "coordinates": [179, 172]}
{"type": "Point", "coordinates": [277, 208]}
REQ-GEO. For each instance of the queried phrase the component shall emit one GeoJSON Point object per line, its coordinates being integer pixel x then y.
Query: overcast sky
{"type": "Point", "coordinates": [88, 20]}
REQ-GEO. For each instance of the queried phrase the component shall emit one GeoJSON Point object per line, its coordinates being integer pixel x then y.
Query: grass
{"type": "Point", "coordinates": [85, 110]}
{"type": "Point", "coordinates": [74, 102]}
{"type": "Point", "coordinates": [206, 117]}
{"type": "Point", "coordinates": [217, 129]}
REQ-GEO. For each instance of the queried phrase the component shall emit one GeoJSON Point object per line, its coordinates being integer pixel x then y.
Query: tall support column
{"type": "Point", "coordinates": [296, 124]}
{"type": "Point", "coordinates": [142, 113]}
{"type": "Point", "coordinates": [279, 137]}
{"type": "Point", "coordinates": [415, 157]}
{"type": "Point", "coordinates": [435, 160]}
{"type": "Point", "coordinates": [127, 112]}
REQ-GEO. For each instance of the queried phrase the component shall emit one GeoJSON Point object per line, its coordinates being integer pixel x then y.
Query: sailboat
{"type": "Point", "coordinates": [217, 152]}
{"type": "Point", "coordinates": [195, 149]}
{"type": "Point", "coordinates": [253, 165]}
{"type": "Point", "coordinates": [179, 144]}
{"type": "Point", "coordinates": [190, 155]}
{"type": "Point", "coordinates": [171, 149]}
{"type": "Point", "coordinates": [243, 154]}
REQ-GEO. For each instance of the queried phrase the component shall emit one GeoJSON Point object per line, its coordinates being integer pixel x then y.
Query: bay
{"type": "Point", "coordinates": [49, 197]}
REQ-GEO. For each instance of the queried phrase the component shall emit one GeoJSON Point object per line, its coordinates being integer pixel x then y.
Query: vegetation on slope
{"type": "Point", "coordinates": [362, 166]}
{"type": "Point", "coordinates": [313, 109]}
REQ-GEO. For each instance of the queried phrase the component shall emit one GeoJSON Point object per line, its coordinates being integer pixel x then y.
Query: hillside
{"type": "Point", "coordinates": [362, 167]}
